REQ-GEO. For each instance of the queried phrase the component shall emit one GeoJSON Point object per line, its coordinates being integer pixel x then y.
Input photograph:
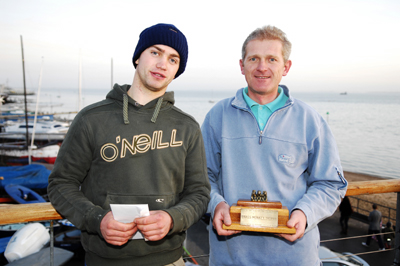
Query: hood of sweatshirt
{"type": "Point", "coordinates": [120, 94]}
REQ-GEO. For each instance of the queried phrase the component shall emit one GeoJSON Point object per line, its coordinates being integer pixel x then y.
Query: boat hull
{"type": "Point", "coordinates": [17, 156]}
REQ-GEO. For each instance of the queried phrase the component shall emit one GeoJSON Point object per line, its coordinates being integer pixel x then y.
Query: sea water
{"type": "Point", "coordinates": [366, 126]}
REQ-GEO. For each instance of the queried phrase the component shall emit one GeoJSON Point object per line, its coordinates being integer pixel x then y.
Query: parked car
{"type": "Point", "coordinates": [331, 258]}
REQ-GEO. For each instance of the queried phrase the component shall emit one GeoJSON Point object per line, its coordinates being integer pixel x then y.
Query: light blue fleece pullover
{"type": "Point", "coordinates": [295, 159]}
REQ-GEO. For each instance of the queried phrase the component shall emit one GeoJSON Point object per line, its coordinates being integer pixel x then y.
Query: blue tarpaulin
{"type": "Point", "coordinates": [3, 243]}
{"type": "Point", "coordinates": [30, 176]}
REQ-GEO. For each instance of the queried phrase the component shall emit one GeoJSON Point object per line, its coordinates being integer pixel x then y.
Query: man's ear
{"type": "Point", "coordinates": [287, 66]}
{"type": "Point", "coordinates": [241, 66]}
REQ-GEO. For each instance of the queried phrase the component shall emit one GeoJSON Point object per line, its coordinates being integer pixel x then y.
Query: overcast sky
{"type": "Point", "coordinates": [337, 45]}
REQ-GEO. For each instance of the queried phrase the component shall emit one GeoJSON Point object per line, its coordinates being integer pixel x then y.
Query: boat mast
{"type": "Point", "coordinates": [26, 107]}
{"type": "Point", "coordinates": [36, 114]}
{"type": "Point", "coordinates": [80, 81]}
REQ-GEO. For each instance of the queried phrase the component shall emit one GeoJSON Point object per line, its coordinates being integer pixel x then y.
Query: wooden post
{"type": "Point", "coordinates": [51, 243]}
{"type": "Point", "coordinates": [396, 261]}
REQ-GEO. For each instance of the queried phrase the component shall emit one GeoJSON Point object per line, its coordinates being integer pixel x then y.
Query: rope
{"type": "Point", "coordinates": [357, 254]}
{"type": "Point", "coordinates": [322, 241]}
{"type": "Point", "coordinates": [195, 262]}
{"type": "Point", "coordinates": [362, 253]}
{"type": "Point", "coordinates": [352, 237]}
{"type": "Point", "coordinates": [201, 256]}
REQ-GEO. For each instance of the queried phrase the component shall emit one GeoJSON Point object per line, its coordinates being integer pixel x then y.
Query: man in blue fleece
{"type": "Point", "coordinates": [263, 139]}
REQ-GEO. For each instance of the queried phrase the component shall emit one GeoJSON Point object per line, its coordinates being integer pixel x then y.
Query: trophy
{"type": "Point", "coordinates": [259, 215]}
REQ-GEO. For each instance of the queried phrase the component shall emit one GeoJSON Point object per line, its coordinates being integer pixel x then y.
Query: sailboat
{"type": "Point", "coordinates": [45, 136]}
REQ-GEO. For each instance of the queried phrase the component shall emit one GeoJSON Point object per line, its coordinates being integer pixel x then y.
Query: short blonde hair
{"type": "Point", "coordinates": [269, 33]}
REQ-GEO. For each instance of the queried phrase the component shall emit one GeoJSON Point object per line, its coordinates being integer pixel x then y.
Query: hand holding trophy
{"type": "Point", "coordinates": [259, 215]}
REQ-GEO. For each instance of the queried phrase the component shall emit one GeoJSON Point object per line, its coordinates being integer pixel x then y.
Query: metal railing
{"type": "Point", "coordinates": [388, 213]}
{"type": "Point", "coordinates": [20, 213]}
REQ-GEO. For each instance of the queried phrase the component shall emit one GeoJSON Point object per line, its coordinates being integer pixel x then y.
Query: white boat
{"type": "Point", "coordinates": [44, 130]}
{"type": "Point", "coordinates": [48, 137]}
{"type": "Point", "coordinates": [18, 155]}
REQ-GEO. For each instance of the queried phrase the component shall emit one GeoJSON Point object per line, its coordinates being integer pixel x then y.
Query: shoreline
{"type": "Point", "coordinates": [352, 177]}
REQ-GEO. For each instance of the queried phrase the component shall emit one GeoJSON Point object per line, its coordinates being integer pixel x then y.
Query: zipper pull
{"type": "Point", "coordinates": [260, 139]}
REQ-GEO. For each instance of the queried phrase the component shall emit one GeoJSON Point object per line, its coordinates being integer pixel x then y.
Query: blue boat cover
{"type": "Point", "coordinates": [23, 194]}
{"type": "Point", "coordinates": [3, 243]}
{"type": "Point", "coordinates": [31, 176]}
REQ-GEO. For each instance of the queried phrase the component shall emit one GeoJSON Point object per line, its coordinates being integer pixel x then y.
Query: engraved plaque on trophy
{"type": "Point", "coordinates": [259, 215]}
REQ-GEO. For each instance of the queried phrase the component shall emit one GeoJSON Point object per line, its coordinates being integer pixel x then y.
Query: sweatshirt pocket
{"type": "Point", "coordinates": [155, 202]}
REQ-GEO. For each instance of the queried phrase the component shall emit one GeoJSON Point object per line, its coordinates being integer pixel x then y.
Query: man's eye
{"type": "Point", "coordinates": [272, 59]}
{"type": "Point", "coordinates": [253, 59]}
{"type": "Point", "coordinates": [174, 61]}
{"type": "Point", "coordinates": [154, 52]}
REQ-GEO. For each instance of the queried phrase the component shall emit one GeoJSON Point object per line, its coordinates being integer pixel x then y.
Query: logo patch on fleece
{"type": "Point", "coordinates": [285, 159]}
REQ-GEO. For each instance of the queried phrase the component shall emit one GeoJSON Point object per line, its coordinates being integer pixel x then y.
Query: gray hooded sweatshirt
{"type": "Point", "coordinates": [118, 152]}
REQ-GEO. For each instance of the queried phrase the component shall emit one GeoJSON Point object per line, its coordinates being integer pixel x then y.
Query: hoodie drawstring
{"type": "Point", "coordinates": [125, 109]}
{"type": "Point", "coordinates": [157, 110]}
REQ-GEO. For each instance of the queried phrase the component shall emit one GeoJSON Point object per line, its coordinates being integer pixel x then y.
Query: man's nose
{"type": "Point", "coordinates": [162, 63]}
{"type": "Point", "coordinates": [262, 65]}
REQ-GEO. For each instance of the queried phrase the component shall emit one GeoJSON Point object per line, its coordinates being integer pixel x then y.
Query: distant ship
{"type": "Point", "coordinates": [343, 93]}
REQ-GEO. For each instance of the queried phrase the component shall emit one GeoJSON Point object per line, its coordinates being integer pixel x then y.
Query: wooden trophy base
{"type": "Point", "coordinates": [268, 216]}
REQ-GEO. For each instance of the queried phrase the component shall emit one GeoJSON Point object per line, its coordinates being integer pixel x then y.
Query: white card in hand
{"type": "Point", "coordinates": [126, 213]}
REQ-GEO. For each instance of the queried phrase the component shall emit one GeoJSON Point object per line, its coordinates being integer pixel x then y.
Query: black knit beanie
{"type": "Point", "coordinates": [165, 34]}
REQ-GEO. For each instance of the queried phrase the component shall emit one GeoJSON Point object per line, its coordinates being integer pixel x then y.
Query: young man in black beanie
{"type": "Point", "coordinates": [135, 147]}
